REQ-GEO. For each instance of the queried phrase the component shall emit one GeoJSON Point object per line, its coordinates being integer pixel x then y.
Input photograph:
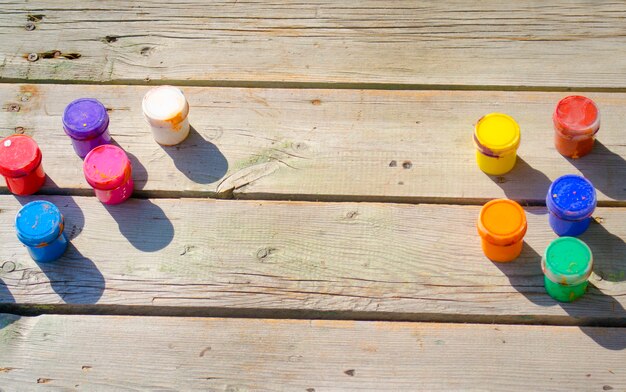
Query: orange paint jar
{"type": "Point", "coordinates": [502, 226]}
{"type": "Point", "coordinates": [576, 122]}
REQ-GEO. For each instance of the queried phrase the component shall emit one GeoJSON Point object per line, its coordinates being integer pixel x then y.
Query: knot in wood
{"type": "Point", "coordinates": [8, 266]}
{"type": "Point", "coordinates": [352, 214]}
{"type": "Point", "coordinates": [263, 253]}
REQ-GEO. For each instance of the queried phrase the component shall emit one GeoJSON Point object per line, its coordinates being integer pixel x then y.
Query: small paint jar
{"type": "Point", "coordinates": [20, 164]}
{"type": "Point", "coordinates": [86, 122]}
{"type": "Point", "coordinates": [571, 200]}
{"type": "Point", "coordinates": [567, 265]}
{"type": "Point", "coordinates": [39, 225]}
{"type": "Point", "coordinates": [165, 108]}
{"type": "Point", "coordinates": [502, 226]}
{"type": "Point", "coordinates": [576, 122]}
{"type": "Point", "coordinates": [107, 169]}
{"type": "Point", "coordinates": [496, 138]}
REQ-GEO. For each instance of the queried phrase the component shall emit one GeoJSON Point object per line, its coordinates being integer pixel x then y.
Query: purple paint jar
{"type": "Point", "coordinates": [86, 122]}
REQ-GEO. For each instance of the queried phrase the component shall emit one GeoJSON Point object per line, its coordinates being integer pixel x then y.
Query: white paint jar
{"type": "Point", "coordinates": [165, 109]}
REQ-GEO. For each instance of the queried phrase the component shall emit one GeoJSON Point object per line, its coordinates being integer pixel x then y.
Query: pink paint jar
{"type": "Point", "coordinates": [107, 169]}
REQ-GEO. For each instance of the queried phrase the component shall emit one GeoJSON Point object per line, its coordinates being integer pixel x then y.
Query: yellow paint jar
{"type": "Point", "coordinates": [496, 137]}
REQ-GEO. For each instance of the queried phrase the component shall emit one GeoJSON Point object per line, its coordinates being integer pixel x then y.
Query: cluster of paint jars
{"type": "Point", "coordinates": [497, 135]}
{"type": "Point", "coordinates": [106, 167]}
{"type": "Point", "coordinates": [571, 199]}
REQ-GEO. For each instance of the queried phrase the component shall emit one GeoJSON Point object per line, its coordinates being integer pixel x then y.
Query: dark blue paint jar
{"type": "Point", "coordinates": [571, 200]}
{"type": "Point", "coordinates": [86, 122]}
{"type": "Point", "coordinates": [39, 225]}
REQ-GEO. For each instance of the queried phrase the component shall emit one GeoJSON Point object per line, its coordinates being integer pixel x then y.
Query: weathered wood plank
{"type": "Point", "coordinates": [354, 260]}
{"type": "Point", "coordinates": [324, 144]}
{"type": "Point", "coordinates": [458, 43]}
{"type": "Point", "coordinates": [168, 354]}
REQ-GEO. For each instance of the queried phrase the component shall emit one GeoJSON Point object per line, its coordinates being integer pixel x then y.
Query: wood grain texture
{"type": "Point", "coordinates": [350, 260]}
{"type": "Point", "coordinates": [454, 43]}
{"type": "Point", "coordinates": [98, 353]}
{"type": "Point", "coordinates": [324, 144]}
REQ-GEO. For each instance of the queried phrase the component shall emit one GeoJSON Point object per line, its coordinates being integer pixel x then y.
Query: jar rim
{"type": "Point", "coordinates": [107, 167]}
{"type": "Point", "coordinates": [577, 192]}
{"type": "Point", "coordinates": [557, 272]}
{"type": "Point", "coordinates": [571, 128]}
{"type": "Point", "coordinates": [496, 134]}
{"type": "Point", "coordinates": [19, 156]}
{"type": "Point", "coordinates": [178, 106]}
{"type": "Point", "coordinates": [490, 221]}
{"type": "Point", "coordinates": [85, 119]}
{"type": "Point", "coordinates": [38, 223]}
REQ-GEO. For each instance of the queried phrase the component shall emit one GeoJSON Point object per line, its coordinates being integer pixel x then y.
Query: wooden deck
{"type": "Point", "coordinates": [316, 232]}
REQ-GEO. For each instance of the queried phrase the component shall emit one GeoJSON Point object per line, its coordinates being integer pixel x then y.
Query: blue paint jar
{"type": "Point", "coordinates": [571, 200]}
{"type": "Point", "coordinates": [86, 122]}
{"type": "Point", "coordinates": [39, 225]}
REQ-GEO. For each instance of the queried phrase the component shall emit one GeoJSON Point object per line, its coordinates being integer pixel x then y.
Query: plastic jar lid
{"type": "Point", "coordinates": [107, 167]}
{"type": "Point", "coordinates": [165, 103]}
{"type": "Point", "coordinates": [38, 223]}
{"type": "Point", "coordinates": [19, 155]}
{"type": "Point", "coordinates": [571, 197]}
{"type": "Point", "coordinates": [567, 261]}
{"type": "Point", "coordinates": [85, 118]}
{"type": "Point", "coordinates": [577, 115]}
{"type": "Point", "coordinates": [502, 222]}
{"type": "Point", "coordinates": [496, 133]}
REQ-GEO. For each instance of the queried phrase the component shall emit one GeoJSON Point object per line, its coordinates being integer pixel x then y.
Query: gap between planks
{"type": "Point", "coordinates": [160, 194]}
{"type": "Point", "coordinates": [305, 314]}
{"type": "Point", "coordinates": [317, 85]}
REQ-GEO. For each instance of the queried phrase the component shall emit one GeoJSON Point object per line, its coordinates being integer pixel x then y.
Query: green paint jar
{"type": "Point", "coordinates": [566, 265]}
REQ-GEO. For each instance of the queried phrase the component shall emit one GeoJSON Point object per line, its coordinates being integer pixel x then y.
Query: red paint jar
{"type": "Point", "coordinates": [576, 122]}
{"type": "Point", "coordinates": [20, 164]}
